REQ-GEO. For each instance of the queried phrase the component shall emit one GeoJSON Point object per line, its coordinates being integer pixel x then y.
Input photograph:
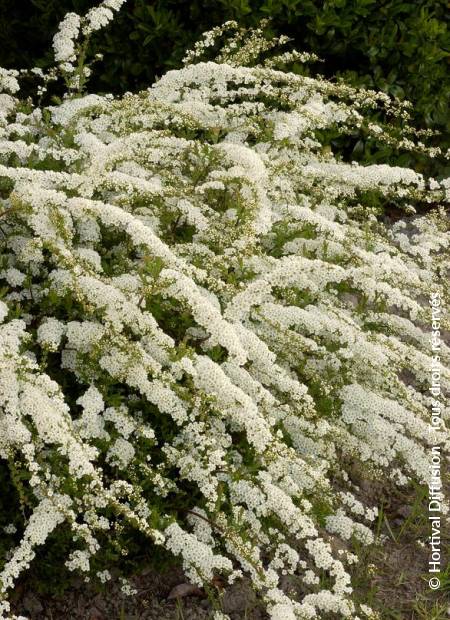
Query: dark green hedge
{"type": "Point", "coordinates": [400, 47]}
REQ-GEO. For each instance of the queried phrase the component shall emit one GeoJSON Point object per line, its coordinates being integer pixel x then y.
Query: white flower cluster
{"type": "Point", "coordinates": [66, 46]}
{"type": "Point", "coordinates": [64, 39]}
{"type": "Point", "coordinates": [199, 560]}
{"type": "Point", "coordinates": [8, 80]}
{"type": "Point", "coordinates": [50, 333]}
{"type": "Point", "coordinates": [101, 15]}
{"type": "Point", "coordinates": [198, 295]}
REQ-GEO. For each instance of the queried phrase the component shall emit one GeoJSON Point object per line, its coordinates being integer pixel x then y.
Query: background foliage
{"type": "Point", "coordinates": [402, 48]}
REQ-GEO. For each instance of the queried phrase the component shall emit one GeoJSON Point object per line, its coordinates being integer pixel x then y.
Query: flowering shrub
{"type": "Point", "coordinates": [205, 325]}
{"type": "Point", "coordinates": [401, 47]}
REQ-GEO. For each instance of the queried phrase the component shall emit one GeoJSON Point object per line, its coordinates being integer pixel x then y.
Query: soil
{"type": "Point", "coordinates": [152, 602]}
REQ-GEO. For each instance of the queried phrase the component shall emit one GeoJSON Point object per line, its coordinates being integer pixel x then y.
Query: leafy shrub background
{"type": "Point", "coordinates": [399, 47]}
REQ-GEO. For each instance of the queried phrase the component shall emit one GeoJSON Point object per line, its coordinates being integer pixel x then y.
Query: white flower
{"type": "Point", "coordinates": [64, 39]}
{"type": "Point", "coordinates": [3, 311]}
{"type": "Point", "coordinates": [101, 15]}
{"type": "Point", "coordinates": [50, 333]}
{"type": "Point", "coordinates": [127, 588]}
{"type": "Point", "coordinates": [104, 576]}
{"type": "Point", "coordinates": [120, 453]}
{"type": "Point", "coordinates": [8, 80]}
